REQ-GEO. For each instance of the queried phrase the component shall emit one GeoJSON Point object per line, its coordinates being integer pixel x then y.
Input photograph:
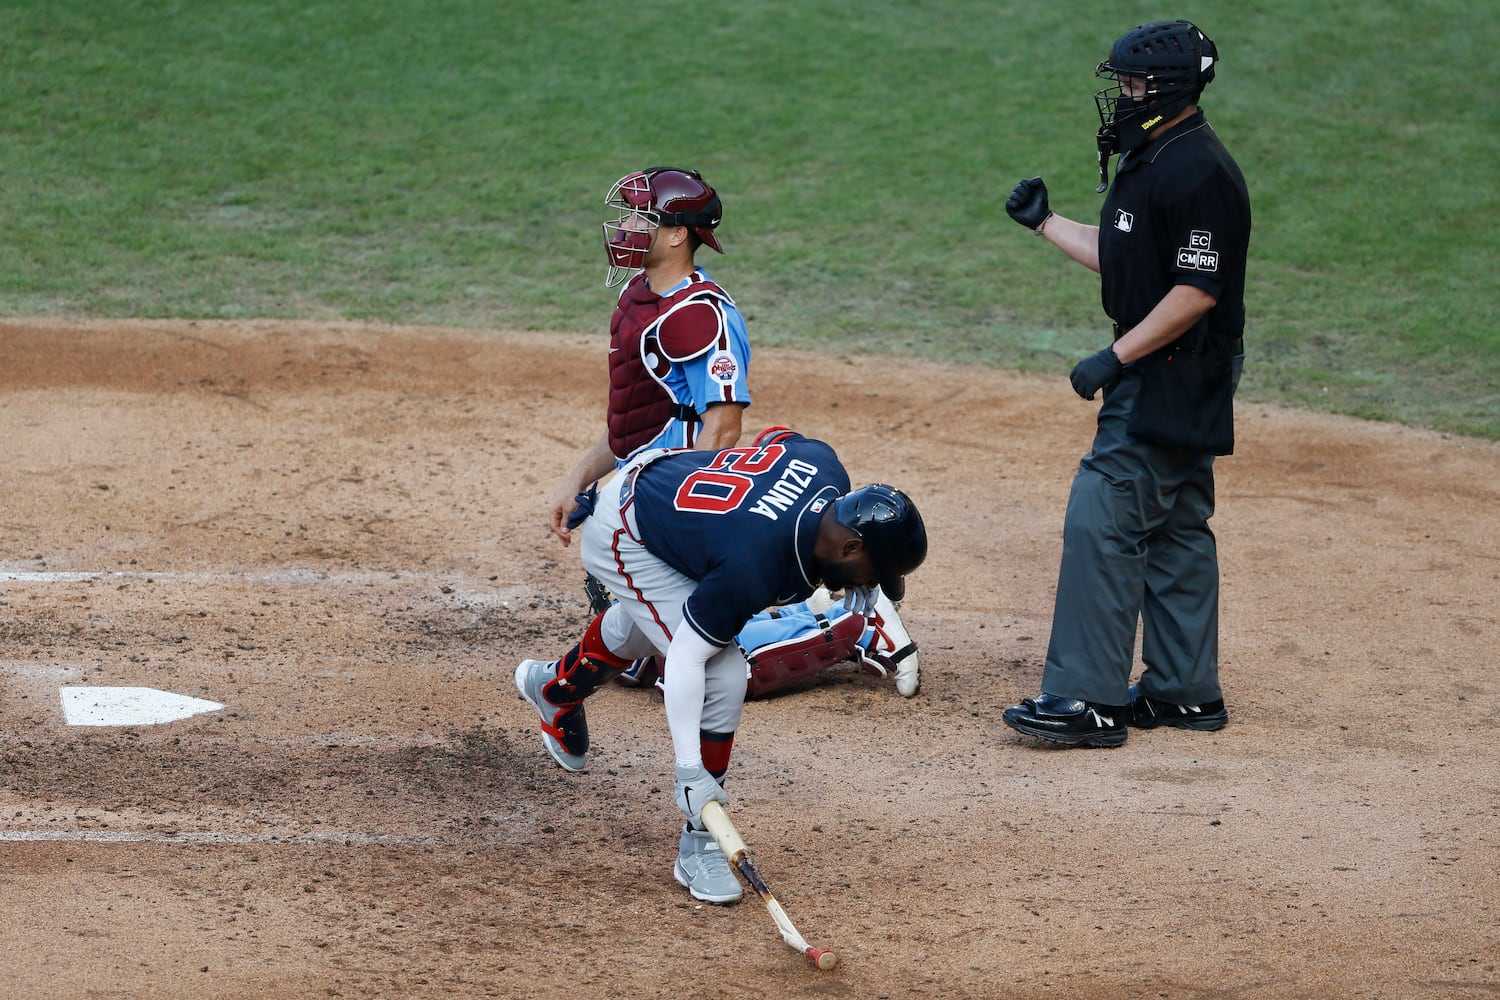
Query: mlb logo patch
{"type": "Point", "coordinates": [723, 368]}
{"type": "Point", "coordinates": [1124, 221]}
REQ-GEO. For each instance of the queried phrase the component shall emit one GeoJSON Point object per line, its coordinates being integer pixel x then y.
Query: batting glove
{"type": "Point", "coordinates": [695, 789]}
{"type": "Point", "coordinates": [861, 600]}
{"type": "Point", "coordinates": [586, 502]}
{"type": "Point", "coordinates": [1095, 372]}
{"type": "Point", "coordinates": [1027, 204]}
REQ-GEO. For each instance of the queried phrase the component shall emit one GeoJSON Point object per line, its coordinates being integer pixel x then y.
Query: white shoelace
{"type": "Point", "coordinates": [712, 862]}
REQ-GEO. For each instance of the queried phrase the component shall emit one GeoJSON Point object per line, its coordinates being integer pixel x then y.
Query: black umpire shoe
{"type": "Point", "coordinates": [1068, 720]}
{"type": "Point", "coordinates": [1143, 712]}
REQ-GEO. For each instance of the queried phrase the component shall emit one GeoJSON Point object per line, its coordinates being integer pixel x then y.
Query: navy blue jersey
{"type": "Point", "coordinates": [741, 522]}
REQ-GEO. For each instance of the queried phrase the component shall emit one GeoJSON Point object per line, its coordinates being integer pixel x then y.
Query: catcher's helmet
{"type": "Point", "coordinates": [892, 530]}
{"type": "Point", "coordinates": [1173, 61]}
{"type": "Point", "coordinates": [656, 196]}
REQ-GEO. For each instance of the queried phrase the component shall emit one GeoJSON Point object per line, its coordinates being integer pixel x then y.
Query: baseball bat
{"type": "Point", "coordinates": [733, 846]}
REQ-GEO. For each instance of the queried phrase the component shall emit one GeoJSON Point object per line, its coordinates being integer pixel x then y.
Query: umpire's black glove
{"type": "Point", "coordinates": [1027, 204]}
{"type": "Point", "coordinates": [1095, 372]}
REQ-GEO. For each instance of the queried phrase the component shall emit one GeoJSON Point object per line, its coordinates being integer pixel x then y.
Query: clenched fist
{"type": "Point", "coordinates": [1027, 204]}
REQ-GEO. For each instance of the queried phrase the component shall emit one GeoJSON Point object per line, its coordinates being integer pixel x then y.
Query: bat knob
{"type": "Point", "coordinates": [823, 958]}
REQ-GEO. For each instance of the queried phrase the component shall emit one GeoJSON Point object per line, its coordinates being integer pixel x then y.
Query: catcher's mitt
{"type": "Point", "coordinates": [598, 594]}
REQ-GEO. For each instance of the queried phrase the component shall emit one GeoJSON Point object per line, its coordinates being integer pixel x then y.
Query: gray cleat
{"type": "Point", "coordinates": [704, 870]}
{"type": "Point", "coordinates": [565, 729]}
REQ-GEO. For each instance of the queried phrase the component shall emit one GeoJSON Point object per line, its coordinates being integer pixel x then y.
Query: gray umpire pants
{"type": "Point", "coordinates": [1137, 548]}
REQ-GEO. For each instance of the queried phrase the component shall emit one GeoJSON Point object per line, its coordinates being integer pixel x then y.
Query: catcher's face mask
{"type": "Point", "coordinates": [627, 237]}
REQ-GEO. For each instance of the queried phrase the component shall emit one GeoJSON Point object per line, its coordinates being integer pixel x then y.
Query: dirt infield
{"type": "Point", "coordinates": [337, 533]}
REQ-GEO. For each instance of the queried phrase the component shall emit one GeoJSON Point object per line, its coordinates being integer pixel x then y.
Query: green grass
{"type": "Point", "coordinates": [444, 161]}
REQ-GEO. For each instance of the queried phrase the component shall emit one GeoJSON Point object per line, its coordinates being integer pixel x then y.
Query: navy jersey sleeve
{"type": "Point", "coordinates": [737, 587]}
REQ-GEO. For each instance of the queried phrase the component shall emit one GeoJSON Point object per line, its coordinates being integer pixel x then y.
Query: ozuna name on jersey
{"type": "Point", "coordinates": [727, 483]}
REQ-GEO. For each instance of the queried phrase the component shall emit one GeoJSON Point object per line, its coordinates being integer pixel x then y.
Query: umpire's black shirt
{"type": "Point", "coordinates": [1178, 213]}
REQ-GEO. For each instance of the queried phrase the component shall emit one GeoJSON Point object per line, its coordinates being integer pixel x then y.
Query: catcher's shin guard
{"type": "Point", "coordinates": [776, 666]}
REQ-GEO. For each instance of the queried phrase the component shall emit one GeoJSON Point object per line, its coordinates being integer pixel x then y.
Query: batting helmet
{"type": "Point", "coordinates": [892, 530]}
{"type": "Point", "coordinates": [1174, 61]}
{"type": "Point", "coordinates": [647, 199]}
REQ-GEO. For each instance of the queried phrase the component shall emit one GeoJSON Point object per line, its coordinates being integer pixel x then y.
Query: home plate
{"type": "Point", "coordinates": [128, 706]}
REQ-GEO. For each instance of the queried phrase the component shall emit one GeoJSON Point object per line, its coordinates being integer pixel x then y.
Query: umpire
{"type": "Point", "coordinates": [1170, 250]}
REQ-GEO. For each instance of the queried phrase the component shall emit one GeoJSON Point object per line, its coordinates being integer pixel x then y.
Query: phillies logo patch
{"type": "Point", "coordinates": [1197, 255]}
{"type": "Point", "coordinates": [723, 368]}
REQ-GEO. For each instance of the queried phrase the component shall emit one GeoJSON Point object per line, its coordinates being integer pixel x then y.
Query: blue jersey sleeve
{"type": "Point", "coordinates": [720, 374]}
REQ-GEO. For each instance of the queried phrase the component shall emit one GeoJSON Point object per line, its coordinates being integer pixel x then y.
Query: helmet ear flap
{"type": "Point", "coordinates": [1208, 56]}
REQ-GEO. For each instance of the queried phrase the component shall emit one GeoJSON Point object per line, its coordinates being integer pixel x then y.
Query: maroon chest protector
{"type": "Point", "coordinates": [639, 407]}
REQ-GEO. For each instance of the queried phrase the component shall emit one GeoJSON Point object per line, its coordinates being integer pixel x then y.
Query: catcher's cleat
{"type": "Point", "coordinates": [704, 870]}
{"type": "Point", "coordinates": [565, 728]}
{"type": "Point", "coordinates": [640, 673]}
{"type": "Point", "coordinates": [887, 648]}
{"type": "Point", "coordinates": [1144, 712]}
{"type": "Point", "coordinates": [1068, 721]}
